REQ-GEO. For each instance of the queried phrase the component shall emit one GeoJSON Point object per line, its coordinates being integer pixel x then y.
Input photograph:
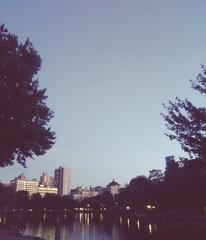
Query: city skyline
{"type": "Point", "coordinates": [49, 180]}
{"type": "Point", "coordinates": [108, 66]}
{"type": "Point", "coordinates": [45, 180]}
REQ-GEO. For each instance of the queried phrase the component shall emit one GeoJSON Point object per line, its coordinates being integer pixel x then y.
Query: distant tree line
{"type": "Point", "coordinates": [181, 189]}
{"type": "Point", "coordinates": [18, 201]}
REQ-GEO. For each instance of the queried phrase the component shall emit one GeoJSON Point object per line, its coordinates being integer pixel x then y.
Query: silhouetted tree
{"type": "Point", "coordinates": [67, 202]}
{"type": "Point", "coordinates": [104, 200]}
{"type": "Point", "coordinates": [51, 201]}
{"type": "Point", "coordinates": [187, 123]}
{"type": "Point", "coordinates": [21, 200]}
{"type": "Point", "coordinates": [137, 194]}
{"type": "Point", "coordinates": [171, 170]}
{"type": "Point", "coordinates": [6, 196]}
{"type": "Point", "coordinates": [156, 176]}
{"type": "Point", "coordinates": [24, 115]}
{"type": "Point", "coordinates": [184, 186]}
{"type": "Point", "coordinates": [36, 202]}
{"type": "Point", "coordinates": [141, 188]}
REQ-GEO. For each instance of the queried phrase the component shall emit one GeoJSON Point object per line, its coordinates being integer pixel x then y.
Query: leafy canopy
{"type": "Point", "coordinates": [24, 115]}
{"type": "Point", "coordinates": [187, 123]}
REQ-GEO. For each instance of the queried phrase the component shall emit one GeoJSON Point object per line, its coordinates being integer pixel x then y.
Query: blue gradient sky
{"type": "Point", "coordinates": [108, 66]}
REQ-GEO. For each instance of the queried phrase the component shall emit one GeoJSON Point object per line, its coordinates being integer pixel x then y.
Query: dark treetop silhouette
{"type": "Point", "coordinates": [24, 115]}
{"type": "Point", "coordinates": [187, 123]}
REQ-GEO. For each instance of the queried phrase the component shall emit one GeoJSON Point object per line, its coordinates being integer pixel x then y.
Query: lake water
{"type": "Point", "coordinates": [87, 226]}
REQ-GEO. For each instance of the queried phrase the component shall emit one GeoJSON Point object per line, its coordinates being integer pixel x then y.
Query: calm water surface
{"type": "Point", "coordinates": [87, 226]}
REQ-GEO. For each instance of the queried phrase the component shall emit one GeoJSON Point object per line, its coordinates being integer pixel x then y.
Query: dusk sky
{"type": "Point", "coordinates": [108, 65]}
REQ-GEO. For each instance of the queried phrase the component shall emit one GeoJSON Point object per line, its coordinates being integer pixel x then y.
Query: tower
{"type": "Point", "coordinates": [62, 178]}
{"type": "Point", "coordinates": [46, 180]}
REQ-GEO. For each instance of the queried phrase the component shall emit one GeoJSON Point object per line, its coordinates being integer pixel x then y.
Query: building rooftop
{"type": "Point", "coordinates": [113, 183]}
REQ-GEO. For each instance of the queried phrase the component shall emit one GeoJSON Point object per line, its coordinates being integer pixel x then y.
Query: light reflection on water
{"type": "Point", "coordinates": [138, 224]}
{"type": "Point", "coordinates": [150, 228]}
{"type": "Point", "coordinates": [120, 220]}
{"type": "Point", "coordinates": [87, 226]}
{"type": "Point", "coordinates": [128, 223]}
{"type": "Point", "coordinates": [81, 226]}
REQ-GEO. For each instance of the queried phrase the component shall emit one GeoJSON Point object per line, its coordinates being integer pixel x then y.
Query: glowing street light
{"type": "Point", "coordinates": [151, 207]}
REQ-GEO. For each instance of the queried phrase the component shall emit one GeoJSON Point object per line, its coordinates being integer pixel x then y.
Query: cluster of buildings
{"type": "Point", "coordinates": [59, 184]}
{"type": "Point", "coordinates": [113, 187]}
{"type": "Point", "coordinates": [80, 193]}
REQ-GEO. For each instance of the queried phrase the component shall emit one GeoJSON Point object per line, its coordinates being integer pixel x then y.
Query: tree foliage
{"type": "Point", "coordinates": [187, 123]}
{"type": "Point", "coordinates": [24, 115]}
{"type": "Point", "coordinates": [137, 194]}
{"type": "Point", "coordinates": [156, 176]}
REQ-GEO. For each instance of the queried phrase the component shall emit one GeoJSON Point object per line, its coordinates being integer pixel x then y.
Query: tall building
{"type": "Point", "coordinates": [62, 179]}
{"type": "Point", "coordinates": [46, 180]}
